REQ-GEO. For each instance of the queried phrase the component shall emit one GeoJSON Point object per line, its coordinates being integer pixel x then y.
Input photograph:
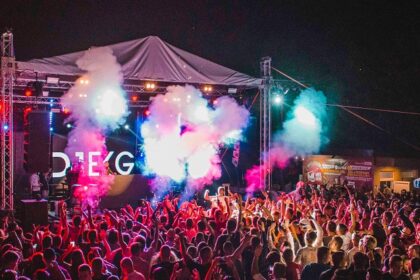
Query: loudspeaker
{"type": "Point", "coordinates": [34, 212]}
{"type": "Point", "coordinates": [37, 142]}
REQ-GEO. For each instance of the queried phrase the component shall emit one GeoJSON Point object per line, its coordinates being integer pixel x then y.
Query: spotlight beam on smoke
{"type": "Point", "coordinates": [183, 134]}
{"type": "Point", "coordinates": [303, 133]}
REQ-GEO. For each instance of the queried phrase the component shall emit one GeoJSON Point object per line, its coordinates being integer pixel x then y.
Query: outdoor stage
{"type": "Point", "coordinates": [40, 130]}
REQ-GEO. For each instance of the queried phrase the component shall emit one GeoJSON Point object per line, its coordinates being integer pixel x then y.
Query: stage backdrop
{"type": "Point", "coordinates": [325, 169]}
{"type": "Point", "coordinates": [129, 186]}
{"type": "Point", "coordinates": [121, 156]}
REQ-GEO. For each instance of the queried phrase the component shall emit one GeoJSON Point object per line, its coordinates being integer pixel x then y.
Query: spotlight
{"type": "Point", "coordinates": [147, 113]}
{"type": "Point", "coordinates": [84, 81]}
{"type": "Point", "coordinates": [232, 90]}
{"type": "Point", "coordinates": [51, 129]}
{"type": "Point", "coordinates": [66, 110]}
{"type": "Point", "coordinates": [85, 188]}
{"type": "Point", "coordinates": [278, 99]}
{"type": "Point", "coordinates": [27, 110]}
{"type": "Point", "coordinates": [5, 127]}
{"type": "Point", "coordinates": [28, 91]}
{"type": "Point", "coordinates": [134, 98]}
{"type": "Point", "coordinates": [68, 125]}
{"type": "Point", "coordinates": [126, 127]}
{"type": "Point", "coordinates": [150, 85]}
{"type": "Point", "coordinates": [207, 88]}
{"type": "Point", "coordinates": [53, 80]}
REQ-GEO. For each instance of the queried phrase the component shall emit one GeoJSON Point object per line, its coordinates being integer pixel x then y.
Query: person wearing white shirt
{"type": "Point", "coordinates": [35, 185]}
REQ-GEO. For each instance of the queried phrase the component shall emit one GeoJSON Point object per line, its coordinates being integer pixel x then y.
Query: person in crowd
{"type": "Point", "coordinates": [84, 272]}
{"type": "Point", "coordinates": [395, 269]}
{"type": "Point", "coordinates": [338, 262]}
{"type": "Point", "coordinates": [128, 271]}
{"type": "Point", "coordinates": [314, 270]}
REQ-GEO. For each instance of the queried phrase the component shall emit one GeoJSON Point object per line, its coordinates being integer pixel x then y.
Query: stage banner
{"type": "Point", "coordinates": [329, 170]}
{"type": "Point", "coordinates": [121, 156]}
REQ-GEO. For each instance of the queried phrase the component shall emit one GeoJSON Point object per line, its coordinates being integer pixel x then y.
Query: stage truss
{"type": "Point", "coordinates": [7, 152]}
{"type": "Point", "coordinates": [265, 123]}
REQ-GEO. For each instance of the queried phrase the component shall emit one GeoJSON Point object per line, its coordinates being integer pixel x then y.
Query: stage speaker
{"type": "Point", "coordinates": [37, 141]}
{"type": "Point", "coordinates": [34, 212]}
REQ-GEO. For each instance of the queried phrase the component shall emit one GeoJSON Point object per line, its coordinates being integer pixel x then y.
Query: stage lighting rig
{"type": "Point", "coordinates": [28, 91]}
{"type": "Point", "coordinates": [84, 81]}
{"type": "Point", "coordinates": [207, 89]}
{"type": "Point", "coordinates": [53, 80]}
{"type": "Point", "coordinates": [232, 90]}
{"type": "Point", "coordinates": [150, 86]}
{"type": "Point", "coordinates": [37, 86]}
{"type": "Point", "coordinates": [278, 99]}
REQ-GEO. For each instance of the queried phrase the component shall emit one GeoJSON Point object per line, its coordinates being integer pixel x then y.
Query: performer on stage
{"type": "Point", "coordinates": [44, 178]}
{"type": "Point", "coordinates": [35, 185]}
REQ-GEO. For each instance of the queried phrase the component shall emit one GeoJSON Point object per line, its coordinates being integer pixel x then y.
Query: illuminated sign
{"type": "Point", "coordinates": [122, 166]}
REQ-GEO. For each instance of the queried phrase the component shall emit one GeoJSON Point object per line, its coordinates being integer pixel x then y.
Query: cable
{"type": "Point", "coordinates": [348, 106]}
{"type": "Point", "coordinates": [375, 109]}
{"type": "Point", "coordinates": [290, 78]}
{"type": "Point", "coordinates": [380, 128]}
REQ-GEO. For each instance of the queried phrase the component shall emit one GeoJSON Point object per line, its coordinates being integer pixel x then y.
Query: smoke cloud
{"type": "Point", "coordinates": [303, 133]}
{"type": "Point", "coordinates": [98, 106]}
{"type": "Point", "coordinates": [183, 134]}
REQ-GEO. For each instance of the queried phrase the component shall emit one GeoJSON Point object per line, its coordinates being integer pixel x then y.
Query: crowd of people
{"type": "Point", "coordinates": [310, 233]}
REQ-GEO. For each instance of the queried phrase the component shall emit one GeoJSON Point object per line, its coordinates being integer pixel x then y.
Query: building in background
{"type": "Point", "coordinates": [362, 170]}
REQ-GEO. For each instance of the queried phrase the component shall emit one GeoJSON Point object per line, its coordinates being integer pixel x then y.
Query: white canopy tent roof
{"type": "Point", "coordinates": [149, 58]}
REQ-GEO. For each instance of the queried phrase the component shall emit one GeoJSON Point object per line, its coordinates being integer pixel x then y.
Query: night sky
{"type": "Point", "coordinates": [362, 53]}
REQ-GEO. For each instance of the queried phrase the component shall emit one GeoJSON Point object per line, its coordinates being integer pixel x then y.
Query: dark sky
{"type": "Point", "coordinates": [363, 53]}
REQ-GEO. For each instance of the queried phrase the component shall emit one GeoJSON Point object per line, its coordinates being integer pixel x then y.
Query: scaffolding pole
{"type": "Point", "coordinates": [265, 123]}
{"type": "Point", "coordinates": [7, 152]}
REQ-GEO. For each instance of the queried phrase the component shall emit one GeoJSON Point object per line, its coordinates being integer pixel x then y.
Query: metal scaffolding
{"type": "Point", "coordinates": [56, 101]}
{"type": "Point", "coordinates": [265, 122]}
{"type": "Point", "coordinates": [7, 153]}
